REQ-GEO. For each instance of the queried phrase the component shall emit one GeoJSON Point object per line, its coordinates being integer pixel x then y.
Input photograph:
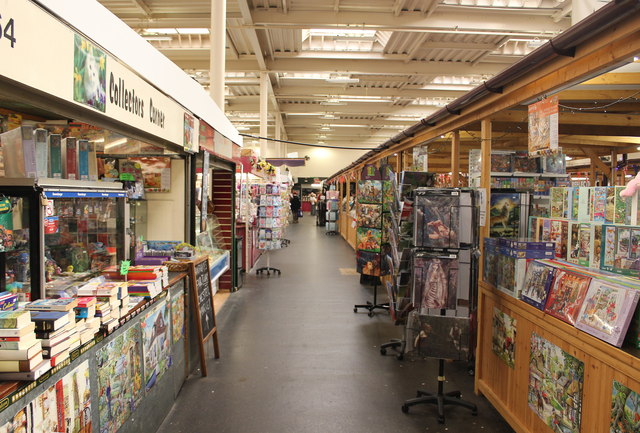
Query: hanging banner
{"type": "Point", "coordinates": [543, 127]}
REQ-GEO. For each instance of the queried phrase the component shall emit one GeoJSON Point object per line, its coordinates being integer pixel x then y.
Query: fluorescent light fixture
{"type": "Point", "coordinates": [579, 178]}
{"type": "Point", "coordinates": [159, 31]}
{"type": "Point", "coordinates": [328, 116]}
{"type": "Point", "coordinates": [193, 31]}
{"type": "Point", "coordinates": [351, 33]}
{"type": "Point", "coordinates": [243, 128]}
{"type": "Point", "coordinates": [332, 102]}
{"type": "Point", "coordinates": [158, 38]}
{"type": "Point", "coordinates": [325, 128]}
{"type": "Point", "coordinates": [568, 158]}
{"type": "Point", "coordinates": [342, 80]}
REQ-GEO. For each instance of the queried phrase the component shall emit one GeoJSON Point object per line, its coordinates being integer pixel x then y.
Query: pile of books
{"type": "Point", "coordinates": [21, 354]}
{"type": "Point", "coordinates": [56, 327]}
{"type": "Point", "coordinates": [86, 315]}
{"type": "Point", "coordinates": [112, 301]}
{"type": "Point", "coordinates": [147, 281]}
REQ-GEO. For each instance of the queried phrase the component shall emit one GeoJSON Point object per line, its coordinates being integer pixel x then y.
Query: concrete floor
{"type": "Point", "coordinates": [296, 359]}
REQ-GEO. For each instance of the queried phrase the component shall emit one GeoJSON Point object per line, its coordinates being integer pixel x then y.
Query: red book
{"type": "Point", "coordinates": [70, 152]}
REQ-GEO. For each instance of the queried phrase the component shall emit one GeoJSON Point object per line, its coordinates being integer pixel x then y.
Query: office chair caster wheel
{"type": "Point", "coordinates": [370, 314]}
{"type": "Point", "coordinates": [355, 310]}
{"type": "Point", "coordinates": [383, 351]}
{"type": "Point", "coordinates": [440, 420]}
{"type": "Point", "coordinates": [400, 357]}
{"type": "Point", "coordinates": [405, 408]}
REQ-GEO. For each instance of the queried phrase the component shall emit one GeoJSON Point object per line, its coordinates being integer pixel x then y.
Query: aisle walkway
{"type": "Point", "coordinates": [296, 359]}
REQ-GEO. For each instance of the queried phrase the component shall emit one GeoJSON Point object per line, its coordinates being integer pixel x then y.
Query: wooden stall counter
{"type": "Point", "coordinates": [518, 391]}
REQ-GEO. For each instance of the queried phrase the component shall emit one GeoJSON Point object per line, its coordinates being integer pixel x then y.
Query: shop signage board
{"type": "Point", "coordinates": [43, 53]}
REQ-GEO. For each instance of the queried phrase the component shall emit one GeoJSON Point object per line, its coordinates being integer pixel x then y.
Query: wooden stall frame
{"type": "Point", "coordinates": [191, 268]}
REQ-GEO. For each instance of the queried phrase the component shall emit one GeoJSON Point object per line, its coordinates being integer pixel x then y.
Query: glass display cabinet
{"type": "Point", "coordinates": [56, 233]}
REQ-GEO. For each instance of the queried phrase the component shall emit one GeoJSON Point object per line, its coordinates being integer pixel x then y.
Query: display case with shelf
{"type": "Point", "coordinates": [62, 232]}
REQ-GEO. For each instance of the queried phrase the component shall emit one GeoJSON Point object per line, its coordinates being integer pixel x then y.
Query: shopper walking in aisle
{"type": "Point", "coordinates": [313, 200]}
{"type": "Point", "coordinates": [295, 206]}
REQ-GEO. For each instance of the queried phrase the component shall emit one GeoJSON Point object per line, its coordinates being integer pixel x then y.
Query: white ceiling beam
{"type": "Point", "coordinates": [410, 91]}
{"type": "Point", "coordinates": [445, 19]}
{"type": "Point", "coordinates": [397, 7]}
{"type": "Point", "coordinates": [418, 44]}
{"type": "Point", "coordinates": [257, 49]}
{"type": "Point", "coordinates": [370, 67]}
{"type": "Point", "coordinates": [144, 8]}
{"type": "Point", "coordinates": [373, 67]}
{"type": "Point", "coordinates": [367, 55]}
{"type": "Point", "coordinates": [352, 108]}
{"type": "Point", "coordinates": [432, 8]}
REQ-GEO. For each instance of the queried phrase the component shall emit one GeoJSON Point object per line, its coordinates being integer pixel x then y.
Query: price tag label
{"type": "Point", "coordinates": [124, 267]}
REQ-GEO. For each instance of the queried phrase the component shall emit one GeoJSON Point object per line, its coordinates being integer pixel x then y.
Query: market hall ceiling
{"type": "Point", "coordinates": [347, 72]}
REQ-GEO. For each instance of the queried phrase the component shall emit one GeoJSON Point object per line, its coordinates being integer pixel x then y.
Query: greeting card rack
{"type": "Point", "coordinates": [444, 277]}
{"type": "Point", "coordinates": [375, 197]}
{"type": "Point", "coordinates": [271, 220]}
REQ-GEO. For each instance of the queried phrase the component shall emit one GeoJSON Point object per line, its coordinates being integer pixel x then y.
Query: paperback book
{"type": "Point", "coordinates": [566, 295]}
{"type": "Point", "coordinates": [537, 284]}
{"type": "Point", "coordinates": [607, 311]}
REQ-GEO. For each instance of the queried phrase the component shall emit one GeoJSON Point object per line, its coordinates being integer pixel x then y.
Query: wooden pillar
{"type": "Point", "coordinates": [455, 159]}
{"type": "Point", "coordinates": [614, 172]}
{"type": "Point", "coordinates": [592, 173]}
{"type": "Point", "coordinates": [485, 183]}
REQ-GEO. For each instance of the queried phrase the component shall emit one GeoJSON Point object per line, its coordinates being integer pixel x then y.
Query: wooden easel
{"type": "Point", "coordinates": [201, 294]}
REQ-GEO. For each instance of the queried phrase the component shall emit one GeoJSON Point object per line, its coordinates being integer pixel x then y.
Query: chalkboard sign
{"type": "Point", "coordinates": [203, 304]}
{"type": "Point", "coordinates": [205, 301]}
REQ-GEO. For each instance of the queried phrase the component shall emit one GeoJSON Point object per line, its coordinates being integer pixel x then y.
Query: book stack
{"type": "Point", "coordinates": [147, 281]}
{"type": "Point", "coordinates": [86, 313]}
{"type": "Point", "coordinates": [112, 300]}
{"type": "Point", "coordinates": [55, 326]}
{"type": "Point", "coordinates": [21, 354]}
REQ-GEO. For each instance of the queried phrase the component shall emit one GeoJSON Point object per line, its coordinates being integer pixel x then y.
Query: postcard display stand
{"type": "Point", "coordinates": [444, 268]}
{"type": "Point", "coordinates": [374, 195]}
{"type": "Point", "coordinates": [271, 217]}
{"type": "Point", "coordinates": [331, 224]}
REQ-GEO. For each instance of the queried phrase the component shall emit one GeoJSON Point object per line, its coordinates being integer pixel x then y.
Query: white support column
{"type": "Point", "coordinates": [264, 101]}
{"type": "Point", "coordinates": [218, 48]}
